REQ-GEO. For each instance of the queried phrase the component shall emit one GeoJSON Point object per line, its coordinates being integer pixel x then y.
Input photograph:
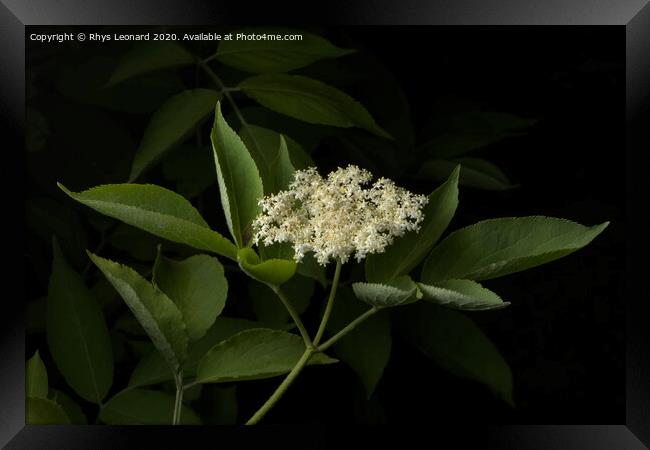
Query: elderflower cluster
{"type": "Point", "coordinates": [337, 216]}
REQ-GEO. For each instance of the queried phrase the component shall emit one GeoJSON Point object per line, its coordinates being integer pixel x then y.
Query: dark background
{"type": "Point", "coordinates": [563, 334]}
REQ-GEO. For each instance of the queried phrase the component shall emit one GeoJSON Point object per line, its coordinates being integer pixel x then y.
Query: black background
{"type": "Point", "coordinates": [563, 334]}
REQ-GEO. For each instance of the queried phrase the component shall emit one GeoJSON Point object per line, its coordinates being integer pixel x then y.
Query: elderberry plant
{"type": "Point", "coordinates": [287, 226]}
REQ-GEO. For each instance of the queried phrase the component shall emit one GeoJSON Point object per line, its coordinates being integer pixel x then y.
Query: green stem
{"type": "Point", "coordinates": [222, 87]}
{"type": "Point", "coordinates": [351, 326]}
{"type": "Point", "coordinates": [210, 58]}
{"type": "Point", "coordinates": [178, 404]}
{"type": "Point", "coordinates": [266, 407]}
{"type": "Point", "coordinates": [294, 315]}
{"type": "Point", "coordinates": [330, 303]}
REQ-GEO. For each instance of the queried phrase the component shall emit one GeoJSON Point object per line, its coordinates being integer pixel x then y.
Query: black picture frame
{"type": "Point", "coordinates": [633, 16]}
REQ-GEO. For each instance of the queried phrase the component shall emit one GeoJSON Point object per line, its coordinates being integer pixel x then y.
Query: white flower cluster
{"type": "Point", "coordinates": [337, 216]}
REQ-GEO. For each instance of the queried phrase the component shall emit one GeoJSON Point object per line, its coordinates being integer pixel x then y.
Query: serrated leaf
{"type": "Point", "coordinates": [149, 56]}
{"type": "Point", "coordinates": [70, 407]}
{"type": "Point", "coordinates": [274, 272]}
{"type": "Point", "coordinates": [273, 56]}
{"type": "Point", "coordinates": [198, 287]}
{"type": "Point", "coordinates": [272, 154]}
{"type": "Point", "coordinates": [77, 334]}
{"type": "Point", "coordinates": [152, 368]}
{"type": "Point", "coordinates": [158, 211]}
{"type": "Point", "coordinates": [454, 342]}
{"type": "Point", "coordinates": [36, 377]}
{"type": "Point", "coordinates": [143, 407]}
{"type": "Point", "coordinates": [498, 247]}
{"type": "Point", "coordinates": [157, 314]}
{"type": "Point", "coordinates": [407, 252]}
{"type": "Point", "coordinates": [239, 180]}
{"type": "Point", "coordinates": [366, 349]}
{"type": "Point", "coordinates": [477, 173]}
{"type": "Point", "coordinates": [462, 294]}
{"type": "Point", "coordinates": [310, 101]}
{"type": "Point", "coordinates": [396, 292]}
{"type": "Point", "coordinates": [41, 411]}
{"type": "Point", "coordinates": [172, 122]}
{"type": "Point", "coordinates": [252, 355]}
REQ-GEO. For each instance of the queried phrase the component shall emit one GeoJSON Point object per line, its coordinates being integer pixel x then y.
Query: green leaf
{"type": "Point", "coordinates": [46, 217]}
{"type": "Point", "coordinates": [158, 211]}
{"type": "Point", "coordinates": [143, 407]}
{"type": "Point", "coordinates": [70, 407]}
{"type": "Point", "coordinates": [86, 83]}
{"type": "Point", "coordinates": [191, 168]}
{"type": "Point", "coordinates": [310, 101]}
{"type": "Point", "coordinates": [239, 180]}
{"type": "Point", "coordinates": [457, 133]}
{"type": "Point", "coordinates": [171, 123]}
{"type": "Point", "coordinates": [272, 56]}
{"type": "Point", "coordinates": [274, 272]}
{"type": "Point", "coordinates": [308, 136]}
{"type": "Point", "coordinates": [407, 252]}
{"type": "Point", "coordinates": [282, 167]}
{"type": "Point", "coordinates": [497, 247]}
{"type": "Point", "coordinates": [477, 173]}
{"type": "Point", "coordinates": [198, 287]}
{"type": "Point", "coordinates": [391, 108]}
{"type": "Point", "coordinates": [455, 343]}
{"type": "Point", "coordinates": [269, 309]}
{"type": "Point", "coordinates": [152, 368]}
{"type": "Point", "coordinates": [252, 355]}
{"type": "Point", "coordinates": [149, 56]}
{"type": "Point", "coordinates": [462, 294]}
{"type": "Point", "coordinates": [396, 292]}
{"type": "Point", "coordinates": [41, 411]}
{"type": "Point", "coordinates": [308, 267]}
{"type": "Point", "coordinates": [271, 153]}
{"type": "Point", "coordinates": [366, 349]}
{"type": "Point", "coordinates": [77, 334]}
{"type": "Point", "coordinates": [223, 328]}
{"type": "Point", "coordinates": [36, 377]}
{"type": "Point", "coordinates": [157, 314]}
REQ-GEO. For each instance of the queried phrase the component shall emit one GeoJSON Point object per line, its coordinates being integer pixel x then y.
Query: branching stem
{"type": "Point", "coordinates": [178, 404]}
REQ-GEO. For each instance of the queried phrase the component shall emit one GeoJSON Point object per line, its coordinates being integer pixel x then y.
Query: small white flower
{"type": "Point", "coordinates": [337, 216]}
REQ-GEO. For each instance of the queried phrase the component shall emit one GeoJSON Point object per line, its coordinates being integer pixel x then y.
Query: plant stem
{"type": "Point", "coordinates": [222, 87]}
{"type": "Point", "coordinates": [210, 58]}
{"type": "Point", "coordinates": [311, 346]}
{"type": "Point", "coordinates": [294, 315]}
{"type": "Point", "coordinates": [351, 326]}
{"type": "Point", "coordinates": [178, 404]}
{"type": "Point", "coordinates": [266, 407]}
{"type": "Point", "coordinates": [330, 303]}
